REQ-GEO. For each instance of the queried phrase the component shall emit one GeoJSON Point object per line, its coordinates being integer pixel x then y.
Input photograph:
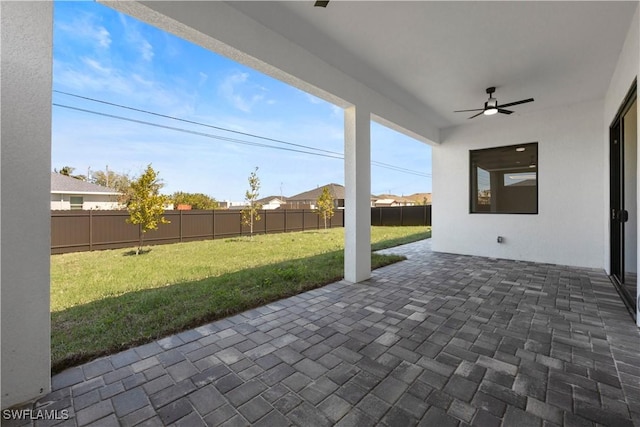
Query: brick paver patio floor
{"type": "Point", "coordinates": [437, 340]}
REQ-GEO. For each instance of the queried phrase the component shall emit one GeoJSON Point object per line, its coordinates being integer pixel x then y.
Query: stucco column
{"type": "Point", "coordinates": [26, 33]}
{"type": "Point", "coordinates": [357, 204]}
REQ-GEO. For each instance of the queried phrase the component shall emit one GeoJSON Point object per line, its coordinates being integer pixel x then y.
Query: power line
{"type": "Point", "coordinates": [376, 163]}
{"type": "Point", "coordinates": [332, 153]}
{"type": "Point", "coordinates": [207, 135]}
{"type": "Point", "coordinates": [196, 123]}
{"type": "Point", "coordinates": [234, 140]}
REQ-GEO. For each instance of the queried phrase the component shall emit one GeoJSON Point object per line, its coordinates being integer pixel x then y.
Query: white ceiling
{"type": "Point", "coordinates": [443, 55]}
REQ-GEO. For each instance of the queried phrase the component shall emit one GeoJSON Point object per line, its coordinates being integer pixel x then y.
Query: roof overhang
{"type": "Point", "coordinates": [86, 193]}
{"type": "Point", "coordinates": [411, 64]}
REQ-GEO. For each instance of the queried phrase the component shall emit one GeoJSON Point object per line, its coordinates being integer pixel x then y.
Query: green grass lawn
{"type": "Point", "coordinates": [106, 301]}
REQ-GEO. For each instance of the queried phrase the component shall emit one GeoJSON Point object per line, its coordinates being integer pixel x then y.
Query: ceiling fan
{"type": "Point", "coordinates": [491, 106]}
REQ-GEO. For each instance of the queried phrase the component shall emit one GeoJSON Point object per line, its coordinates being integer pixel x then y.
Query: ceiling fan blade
{"type": "Point", "coordinates": [464, 111]}
{"type": "Point", "coordinates": [476, 115]}
{"type": "Point", "coordinates": [321, 3]}
{"type": "Point", "coordinates": [511, 104]}
{"type": "Point", "coordinates": [500, 110]}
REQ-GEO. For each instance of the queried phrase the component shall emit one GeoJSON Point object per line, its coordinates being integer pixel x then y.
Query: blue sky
{"type": "Point", "coordinates": [102, 54]}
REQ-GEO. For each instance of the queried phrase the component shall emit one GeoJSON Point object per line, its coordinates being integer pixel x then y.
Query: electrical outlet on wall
{"type": "Point", "coordinates": [500, 239]}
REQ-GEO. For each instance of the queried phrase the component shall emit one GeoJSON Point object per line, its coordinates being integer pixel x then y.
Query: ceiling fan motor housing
{"type": "Point", "coordinates": [491, 105]}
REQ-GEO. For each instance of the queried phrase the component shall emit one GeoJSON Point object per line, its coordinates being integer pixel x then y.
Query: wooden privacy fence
{"type": "Point", "coordinates": [77, 231]}
{"type": "Point", "coordinates": [401, 215]}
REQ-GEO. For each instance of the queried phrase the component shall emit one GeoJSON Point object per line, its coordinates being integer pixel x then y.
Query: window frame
{"type": "Point", "coordinates": [76, 206]}
{"type": "Point", "coordinates": [473, 181]}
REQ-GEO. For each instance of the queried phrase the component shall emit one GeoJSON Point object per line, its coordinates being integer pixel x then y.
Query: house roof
{"type": "Point", "coordinates": [392, 198]}
{"type": "Point", "coordinates": [384, 201]}
{"type": "Point", "coordinates": [336, 190]}
{"type": "Point", "coordinates": [67, 185]}
{"type": "Point", "coordinates": [268, 199]}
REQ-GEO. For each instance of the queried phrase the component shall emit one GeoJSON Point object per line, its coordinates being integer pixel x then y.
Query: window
{"type": "Point", "coordinates": [76, 203]}
{"type": "Point", "coordinates": [504, 179]}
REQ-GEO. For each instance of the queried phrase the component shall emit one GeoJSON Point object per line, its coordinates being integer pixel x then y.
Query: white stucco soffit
{"type": "Point", "coordinates": [225, 29]}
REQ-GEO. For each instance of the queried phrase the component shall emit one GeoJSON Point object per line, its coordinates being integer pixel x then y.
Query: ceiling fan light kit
{"type": "Point", "coordinates": [491, 107]}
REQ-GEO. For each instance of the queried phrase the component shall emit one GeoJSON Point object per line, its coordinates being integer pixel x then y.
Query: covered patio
{"type": "Point", "coordinates": [439, 339]}
{"type": "Point", "coordinates": [452, 337]}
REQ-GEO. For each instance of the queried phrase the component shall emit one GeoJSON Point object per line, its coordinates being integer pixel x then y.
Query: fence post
{"type": "Point", "coordinates": [285, 221]}
{"type": "Point", "coordinates": [265, 220]}
{"type": "Point", "coordinates": [91, 230]}
{"type": "Point", "coordinates": [303, 229]}
{"type": "Point", "coordinates": [213, 224]}
{"type": "Point", "coordinates": [401, 216]}
{"type": "Point", "coordinates": [180, 231]}
{"type": "Point", "coordinates": [425, 215]}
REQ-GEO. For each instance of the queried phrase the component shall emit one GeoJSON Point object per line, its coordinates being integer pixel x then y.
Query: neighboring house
{"type": "Point", "coordinates": [386, 200]}
{"type": "Point", "coordinates": [73, 194]}
{"type": "Point", "coordinates": [272, 202]}
{"type": "Point", "coordinates": [308, 199]}
{"type": "Point", "coordinates": [420, 198]}
{"type": "Point", "coordinates": [228, 204]}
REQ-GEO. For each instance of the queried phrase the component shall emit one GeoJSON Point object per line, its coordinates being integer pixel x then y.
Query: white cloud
{"type": "Point", "coordinates": [95, 65]}
{"type": "Point", "coordinates": [234, 89]}
{"type": "Point", "coordinates": [146, 50]}
{"type": "Point", "coordinates": [83, 27]}
{"type": "Point", "coordinates": [92, 77]}
{"type": "Point", "coordinates": [312, 99]}
{"type": "Point", "coordinates": [103, 37]}
{"type": "Point", "coordinates": [337, 111]}
{"type": "Point", "coordinates": [136, 39]}
{"type": "Point", "coordinates": [139, 79]}
{"type": "Point", "coordinates": [203, 78]}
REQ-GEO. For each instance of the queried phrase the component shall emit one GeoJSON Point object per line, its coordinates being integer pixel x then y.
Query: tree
{"type": "Point", "coordinates": [67, 171]}
{"type": "Point", "coordinates": [146, 205]}
{"type": "Point", "coordinates": [325, 205]}
{"type": "Point", "coordinates": [195, 200]}
{"type": "Point", "coordinates": [119, 182]}
{"type": "Point", "coordinates": [250, 212]}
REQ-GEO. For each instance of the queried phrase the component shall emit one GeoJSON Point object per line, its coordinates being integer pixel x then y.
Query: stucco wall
{"type": "Point", "coordinates": [62, 202]}
{"type": "Point", "coordinates": [26, 31]}
{"type": "Point", "coordinates": [568, 227]}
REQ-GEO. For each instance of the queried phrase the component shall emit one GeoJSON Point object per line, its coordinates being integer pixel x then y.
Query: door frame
{"type": "Point", "coordinates": [616, 200]}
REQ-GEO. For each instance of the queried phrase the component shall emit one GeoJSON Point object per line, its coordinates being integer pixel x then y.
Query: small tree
{"type": "Point", "coordinates": [250, 212]}
{"type": "Point", "coordinates": [146, 204]}
{"type": "Point", "coordinates": [195, 200]}
{"type": "Point", "coordinates": [325, 205]}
